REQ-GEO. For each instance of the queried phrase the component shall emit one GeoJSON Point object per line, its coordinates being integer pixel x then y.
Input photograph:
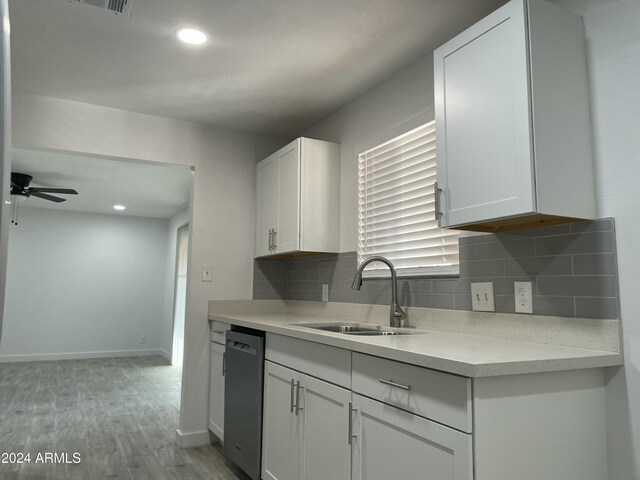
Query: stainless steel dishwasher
{"type": "Point", "coordinates": [244, 379]}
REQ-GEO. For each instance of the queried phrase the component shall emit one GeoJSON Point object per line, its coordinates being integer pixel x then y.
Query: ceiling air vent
{"type": "Point", "coordinates": [117, 7]}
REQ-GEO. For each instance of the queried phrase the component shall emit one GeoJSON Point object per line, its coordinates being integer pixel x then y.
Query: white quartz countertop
{"type": "Point", "coordinates": [453, 352]}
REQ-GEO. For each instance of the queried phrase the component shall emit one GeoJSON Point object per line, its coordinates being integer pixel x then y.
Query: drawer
{"type": "Point", "coordinates": [438, 396]}
{"type": "Point", "coordinates": [328, 363]}
{"type": "Point", "coordinates": [218, 330]}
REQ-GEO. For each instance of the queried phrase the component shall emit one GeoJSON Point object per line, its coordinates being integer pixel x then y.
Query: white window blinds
{"type": "Point", "coordinates": [396, 208]}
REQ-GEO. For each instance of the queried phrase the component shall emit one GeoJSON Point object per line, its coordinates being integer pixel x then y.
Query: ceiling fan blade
{"type": "Point", "coordinates": [44, 196]}
{"type": "Point", "coordinates": [66, 191]}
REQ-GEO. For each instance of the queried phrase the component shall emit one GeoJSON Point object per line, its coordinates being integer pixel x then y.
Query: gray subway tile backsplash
{"type": "Point", "coordinates": [596, 307]}
{"type": "Point", "coordinates": [572, 268]}
{"type": "Point", "coordinates": [594, 264]}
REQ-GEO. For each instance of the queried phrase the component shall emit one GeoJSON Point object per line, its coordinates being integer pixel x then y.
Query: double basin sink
{"type": "Point", "coordinates": [355, 329]}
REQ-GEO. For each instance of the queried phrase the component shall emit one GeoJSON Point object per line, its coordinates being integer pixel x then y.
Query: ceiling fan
{"type": "Point", "coordinates": [20, 188]}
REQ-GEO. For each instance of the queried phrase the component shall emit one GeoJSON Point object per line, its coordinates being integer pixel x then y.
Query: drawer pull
{"type": "Point", "coordinates": [219, 332]}
{"type": "Point", "coordinates": [391, 383]}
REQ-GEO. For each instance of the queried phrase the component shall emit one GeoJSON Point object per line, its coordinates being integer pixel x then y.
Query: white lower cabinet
{"type": "Point", "coordinates": [216, 390]}
{"type": "Point", "coordinates": [305, 430]}
{"type": "Point", "coordinates": [281, 432]}
{"type": "Point", "coordinates": [325, 444]}
{"type": "Point", "coordinates": [333, 414]}
{"type": "Point", "coordinates": [391, 443]}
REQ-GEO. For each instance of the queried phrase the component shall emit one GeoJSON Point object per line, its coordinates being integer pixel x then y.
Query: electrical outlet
{"type": "Point", "coordinates": [207, 273]}
{"type": "Point", "coordinates": [325, 292]}
{"type": "Point", "coordinates": [143, 339]}
{"type": "Point", "coordinates": [482, 297]}
{"type": "Point", "coordinates": [524, 297]}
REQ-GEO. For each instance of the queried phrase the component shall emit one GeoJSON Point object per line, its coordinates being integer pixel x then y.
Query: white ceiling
{"type": "Point", "coordinates": [273, 66]}
{"type": "Point", "coordinates": [146, 190]}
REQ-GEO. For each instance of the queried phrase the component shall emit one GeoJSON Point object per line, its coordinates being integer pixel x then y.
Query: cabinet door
{"type": "Point", "coordinates": [266, 206]}
{"type": "Point", "coordinates": [216, 391]}
{"type": "Point", "coordinates": [281, 433]}
{"type": "Point", "coordinates": [483, 136]}
{"type": "Point", "coordinates": [287, 237]}
{"type": "Point", "coordinates": [326, 452]}
{"type": "Point", "coordinates": [392, 443]}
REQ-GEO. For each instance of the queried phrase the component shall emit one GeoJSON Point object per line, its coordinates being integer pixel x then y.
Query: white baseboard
{"type": "Point", "coordinates": [192, 439]}
{"type": "Point", "coordinates": [81, 355]}
{"type": "Point", "coordinates": [165, 354]}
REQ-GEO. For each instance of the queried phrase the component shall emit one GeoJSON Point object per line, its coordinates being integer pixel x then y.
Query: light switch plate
{"type": "Point", "coordinates": [524, 297]}
{"type": "Point", "coordinates": [482, 299]}
{"type": "Point", "coordinates": [207, 273]}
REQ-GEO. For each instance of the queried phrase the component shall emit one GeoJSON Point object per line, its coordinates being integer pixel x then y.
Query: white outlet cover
{"type": "Point", "coordinates": [523, 296]}
{"type": "Point", "coordinates": [482, 299]}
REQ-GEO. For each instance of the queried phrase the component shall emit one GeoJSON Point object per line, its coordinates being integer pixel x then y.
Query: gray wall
{"type": "Point", "coordinates": [82, 283]}
{"type": "Point", "coordinates": [572, 267]}
{"type": "Point", "coordinates": [400, 103]}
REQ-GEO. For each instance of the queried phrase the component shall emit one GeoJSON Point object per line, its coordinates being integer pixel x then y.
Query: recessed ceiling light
{"type": "Point", "coordinates": [119, 207]}
{"type": "Point", "coordinates": [191, 36]}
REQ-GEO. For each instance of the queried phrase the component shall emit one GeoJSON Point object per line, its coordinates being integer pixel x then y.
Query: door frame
{"type": "Point", "coordinates": [186, 224]}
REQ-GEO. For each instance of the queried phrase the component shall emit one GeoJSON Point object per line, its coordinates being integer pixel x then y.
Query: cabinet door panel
{"type": "Point", "coordinates": [216, 391]}
{"type": "Point", "coordinates": [392, 443]}
{"type": "Point", "coordinates": [288, 229]}
{"type": "Point", "coordinates": [325, 447]}
{"type": "Point", "coordinates": [281, 428]}
{"type": "Point", "coordinates": [267, 201]}
{"type": "Point", "coordinates": [483, 138]}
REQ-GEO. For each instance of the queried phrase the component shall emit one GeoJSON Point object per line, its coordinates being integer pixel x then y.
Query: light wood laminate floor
{"type": "Point", "coordinates": [119, 414]}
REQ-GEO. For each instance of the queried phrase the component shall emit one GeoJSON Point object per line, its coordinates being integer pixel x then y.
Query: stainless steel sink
{"type": "Point", "coordinates": [354, 329]}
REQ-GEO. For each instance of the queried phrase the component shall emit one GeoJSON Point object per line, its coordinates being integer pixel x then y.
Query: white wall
{"type": "Point", "coordinates": [175, 222]}
{"type": "Point", "coordinates": [82, 283]}
{"type": "Point", "coordinates": [396, 105]}
{"type": "Point", "coordinates": [613, 43]}
{"type": "Point", "coordinates": [222, 217]}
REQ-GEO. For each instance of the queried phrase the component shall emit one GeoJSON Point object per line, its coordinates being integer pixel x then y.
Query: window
{"type": "Point", "coordinates": [396, 208]}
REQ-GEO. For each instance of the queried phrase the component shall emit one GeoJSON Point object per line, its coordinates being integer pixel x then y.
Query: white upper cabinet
{"type": "Point", "coordinates": [287, 231]}
{"type": "Point", "coordinates": [266, 218]}
{"type": "Point", "coordinates": [512, 117]}
{"type": "Point", "coordinates": [298, 193]}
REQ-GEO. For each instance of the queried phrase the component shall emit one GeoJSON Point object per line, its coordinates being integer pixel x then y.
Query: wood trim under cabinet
{"type": "Point", "coordinates": [533, 220]}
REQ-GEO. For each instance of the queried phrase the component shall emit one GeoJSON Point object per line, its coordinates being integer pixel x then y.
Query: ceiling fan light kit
{"type": "Point", "coordinates": [20, 190]}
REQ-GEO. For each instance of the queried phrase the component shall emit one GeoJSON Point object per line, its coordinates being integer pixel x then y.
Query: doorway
{"type": "Point", "coordinates": [180, 296]}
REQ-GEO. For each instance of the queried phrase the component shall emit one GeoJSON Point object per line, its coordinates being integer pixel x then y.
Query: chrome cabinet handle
{"type": "Point", "coordinates": [298, 388]}
{"type": "Point", "coordinates": [274, 236]}
{"type": "Point", "coordinates": [350, 423]}
{"type": "Point", "coordinates": [292, 387]}
{"type": "Point", "coordinates": [224, 363]}
{"type": "Point", "coordinates": [391, 383]}
{"type": "Point", "coordinates": [270, 239]}
{"type": "Point", "coordinates": [219, 332]}
{"type": "Point", "coordinates": [437, 191]}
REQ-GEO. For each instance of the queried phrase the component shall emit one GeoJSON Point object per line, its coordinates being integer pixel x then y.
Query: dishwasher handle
{"type": "Point", "coordinates": [241, 347]}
